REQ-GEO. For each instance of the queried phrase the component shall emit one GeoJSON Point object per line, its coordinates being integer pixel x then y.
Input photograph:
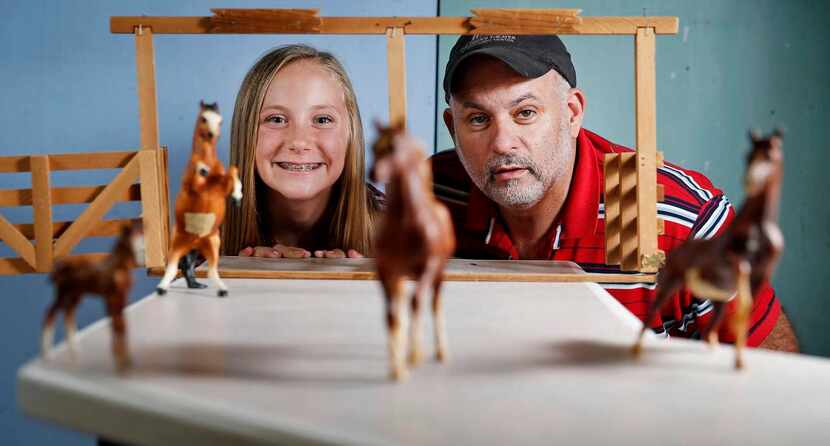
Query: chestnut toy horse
{"type": "Point", "coordinates": [200, 206]}
{"type": "Point", "coordinates": [739, 260]}
{"type": "Point", "coordinates": [414, 241]}
{"type": "Point", "coordinates": [111, 278]}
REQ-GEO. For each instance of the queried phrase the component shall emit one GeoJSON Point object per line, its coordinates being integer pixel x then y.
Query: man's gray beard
{"type": "Point", "coordinates": [510, 193]}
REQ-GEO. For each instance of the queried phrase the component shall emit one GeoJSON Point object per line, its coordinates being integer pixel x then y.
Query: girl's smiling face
{"type": "Point", "coordinates": [303, 134]}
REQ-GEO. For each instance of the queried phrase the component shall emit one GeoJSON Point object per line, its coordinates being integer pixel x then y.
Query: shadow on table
{"type": "Point", "coordinates": [335, 364]}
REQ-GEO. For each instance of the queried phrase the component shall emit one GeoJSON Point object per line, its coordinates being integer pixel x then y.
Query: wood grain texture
{"type": "Point", "coordinates": [264, 21]}
{"type": "Point", "coordinates": [646, 118]}
{"type": "Point", "coordinates": [595, 25]}
{"type": "Point", "coordinates": [145, 64]}
{"type": "Point", "coordinates": [93, 213]}
{"type": "Point", "coordinates": [613, 220]}
{"type": "Point", "coordinates": [629, 240]}
{"type": "Point", "coordinates": [151, 208]}
{"type": "Point", "coordinates": [457, 270]}
{"type": "Point", "coordinates": [42, 207]}
{"type": "Point", "coordinates": [396, 73]}
{"type": "Point", "coordinates": [69, 161]}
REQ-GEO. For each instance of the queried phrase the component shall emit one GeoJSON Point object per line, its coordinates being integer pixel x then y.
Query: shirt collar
{"type": "Point", "coordinates": [579, 214]}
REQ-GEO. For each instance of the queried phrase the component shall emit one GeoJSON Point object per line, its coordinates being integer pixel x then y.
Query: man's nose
{"type": "Point", "coordinates": [504, 137]}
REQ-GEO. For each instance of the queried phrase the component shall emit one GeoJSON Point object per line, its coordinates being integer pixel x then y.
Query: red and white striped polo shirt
{"type": "Point", "coordinates": [693, 208]}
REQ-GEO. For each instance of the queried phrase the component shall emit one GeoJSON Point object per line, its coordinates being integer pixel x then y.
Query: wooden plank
{"type": "Point", "coordinates": [93, 213]}
{"type": "Point", "coordinates": [16, 265]}
{"type": "Point", "coordinates": [69, 161]}
{"type": "Point", "coordinates": [104, 228]}
{"type": "Point", "coordinates": [265, 21]}
{"type": "Point", "coordinates": [151, 208]}
{"type": "Point", "coordinates": [66, 195]}
{"type": "Point", "coordinates": [396, 70]}
{"type": "Point", "coordinates": [42, 207]}
{"type": "Point", "coordinates": [146, 74]}
{"type": "Point", "coordinates": [165, 202]}
{"type": "Point", "coordinates": [613, 226]}
{"type": "Point", "coordinates": [595, 25]}
{"type": "Point", "coordinates": [458, 270]}
{"type": "Point", "coordinates": [661, 193]}
{"type": "Point", "coordinates": [628, 212]}
{"type": "Point", "coordinates": [528, 21]}
{"type": "Point", "coordinates": [646, 135]}
{"type": "Point", "coordinates": [16, 241]}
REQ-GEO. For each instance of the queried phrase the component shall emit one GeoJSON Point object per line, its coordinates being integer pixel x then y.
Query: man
{"type": "Point", "coordinates": [525, 179]}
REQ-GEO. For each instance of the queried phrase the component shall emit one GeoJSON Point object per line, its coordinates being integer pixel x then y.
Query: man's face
{"type": "Point", "coordinates": [514, 135]}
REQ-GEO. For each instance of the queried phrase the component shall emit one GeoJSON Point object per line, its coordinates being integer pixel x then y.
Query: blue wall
{"type": "Point", "coordinates": [68, 85]}
{"type": "Point", "coordinates": [733, 65]}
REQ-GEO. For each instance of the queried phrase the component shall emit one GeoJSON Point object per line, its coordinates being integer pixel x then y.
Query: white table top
{"type": "Point", "coordinates": [304, 361]}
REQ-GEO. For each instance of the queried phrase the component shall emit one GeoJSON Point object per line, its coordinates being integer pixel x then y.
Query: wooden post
{"type": "Point", "coordinates": [396, 70]}
{"type": "Point", "coordinates": [612, 209]}
{"type": "Point", "coordinates": [42, 207]}
{"type": "Point", "coordinates": [151, 210]}
{"type": "Point", "coordinates": [146, 75]}
{"type": "Point", "coordinates": [646, 99]}
{"type": "Point", "coordinates": [629, 224]}
{"type": "Point", "coordinates": [152, 198]}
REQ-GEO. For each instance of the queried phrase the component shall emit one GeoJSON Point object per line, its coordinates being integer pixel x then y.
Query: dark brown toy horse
{"type": "Point", "coordinates": [739, 260]}
{"type": "Point", "coordinates": [414, 241]}
{"type": "Point", "coordinates": [111, 278]}
{"type": "Point", "coordinates": [200, 205]}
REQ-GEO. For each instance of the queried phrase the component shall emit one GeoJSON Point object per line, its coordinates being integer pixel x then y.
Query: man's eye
{"type": "Point", "coordinates": [527, 113]}
{"type": "Point", "coordinates": [323, 120]}
{"type": "Point", "coordinates": [478, 119]}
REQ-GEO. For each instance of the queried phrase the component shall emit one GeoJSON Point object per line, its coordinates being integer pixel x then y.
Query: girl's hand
{"type": "Point", "coordinates": [260, 251]}
{"type": "Point", "coordinates": [338, 254]}
{"type": "Point", "coordinates": [275, 252]}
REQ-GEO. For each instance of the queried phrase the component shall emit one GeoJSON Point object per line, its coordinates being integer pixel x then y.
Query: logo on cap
{"type": "Point", "coordinates": [480, 39]}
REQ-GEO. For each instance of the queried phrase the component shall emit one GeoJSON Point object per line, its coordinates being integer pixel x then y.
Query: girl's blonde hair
{"type": "Point", "coordinates": [350, 226]}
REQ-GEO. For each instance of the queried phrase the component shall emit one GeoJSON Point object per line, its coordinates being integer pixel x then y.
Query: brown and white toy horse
{"type": "Point", "coordinates": [200, 205]}
{"type": "Point", "coordinates": [739, 260]}
{"type": "Point", "coordinates": [111, 278]}
{"type": "Point", "coordinates": [414, 241]}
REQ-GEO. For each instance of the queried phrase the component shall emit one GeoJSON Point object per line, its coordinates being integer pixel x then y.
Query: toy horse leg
{"type": "Point", "coordinates": [210, 250]}
{"type": "Point", "coordinates": [441, 353]}
{"type": "Point", "coordinates": [393, 291]}
{"type": "Point", "coordinates": [187, 264]}
{"type": "Point", "coordinates": [667, 283]}
{"type": "Point", "coordinates": [711, 333]}
{"type": "Point", "coordinates": [176, 253]}
{"type": "Point", "coordinates": [70, 326]}
{"type": "Point", "coordinates": [416, 350]}
{"type": "Point", "coordinates": [48, 331]}
{"type": "Point", "coordinates": [115, 309]}
{"type": "Point", "coordinates": [740, 322]}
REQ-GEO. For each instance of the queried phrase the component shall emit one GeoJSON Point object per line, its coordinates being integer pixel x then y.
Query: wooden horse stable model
{"type": "Point", "coordinates": [414, 241]}
{"type": "Point", "coordinates": [200, 205]}
{"type": "Point", "coordinates": [111, 278]}
{"type": "Point", "coordinates": [634, 243]}
{"type": "Point", "coordinates": [740, 259]}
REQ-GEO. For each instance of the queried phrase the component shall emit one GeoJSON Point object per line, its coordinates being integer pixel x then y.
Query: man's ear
{"type": "Point", "coordinates": [448, 123]}
{"type": "Point", "coordinates": [576, 108]}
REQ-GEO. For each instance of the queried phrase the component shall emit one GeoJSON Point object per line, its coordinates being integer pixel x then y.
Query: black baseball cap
{"type": "Point", "coordinates": [530, 56]}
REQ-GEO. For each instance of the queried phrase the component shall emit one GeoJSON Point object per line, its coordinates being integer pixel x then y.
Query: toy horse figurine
{"type": "Point", "coordinates": [110, 278]}
{"type": "Point", "coordinates": [414, 241]}
{"type": "Point", "coordinates": [200, 206]}
{"type": "Point", "coordinates": [739, 260]}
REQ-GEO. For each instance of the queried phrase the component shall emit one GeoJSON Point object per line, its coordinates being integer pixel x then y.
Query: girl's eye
{"type": "Point", "coordinates": [323, 120]}
{"type": "Point", "coordinates": [276, 119]}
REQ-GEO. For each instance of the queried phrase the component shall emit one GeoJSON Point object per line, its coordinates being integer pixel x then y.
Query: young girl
{"type": "Point", "coordinates": [297, 138]}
